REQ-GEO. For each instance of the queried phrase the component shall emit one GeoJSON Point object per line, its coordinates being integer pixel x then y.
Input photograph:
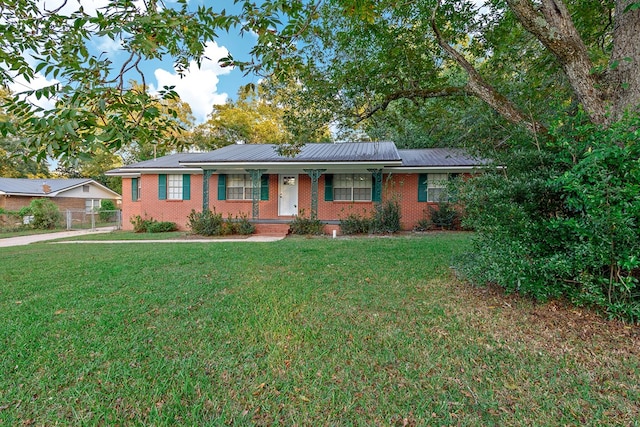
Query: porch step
{"type": "Point", "coordinates": [272, 229]}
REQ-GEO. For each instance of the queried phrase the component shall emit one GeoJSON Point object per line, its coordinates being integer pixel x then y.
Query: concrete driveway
{"type": "Point", "coordinates": [25, 240]}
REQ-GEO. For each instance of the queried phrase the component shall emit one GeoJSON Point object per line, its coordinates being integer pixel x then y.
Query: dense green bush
{"type": "Point", "coordinates": [205, 223]}
{"type": "Point", "coordinates": [563, 220]}
{"type": "Point", "coordinates": [386, 217]}
{"type": "Point", "coordinates": [150, 225]}
{"type": "Point", "coordinates": [45, 213]}
{"type": "Point", "coordinates": [355, 223]}
{"type": "Point", "coordinates": [304, 225]}
{"type": "Point", "coordinates": [210, 223]}
{"type": "Point", "coordinates": [443, 217]}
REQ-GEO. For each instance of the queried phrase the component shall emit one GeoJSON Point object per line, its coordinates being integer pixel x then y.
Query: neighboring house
{"type": "Point", "coordinates": [74, 194]}
{"type": "Point", "coordinates": [329, 181]}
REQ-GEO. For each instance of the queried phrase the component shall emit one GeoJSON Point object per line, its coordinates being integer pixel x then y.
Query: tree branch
{"type": "Point", "coordinates": [413, 94]}
{"type": "Point", "coordinates": [479, 87]}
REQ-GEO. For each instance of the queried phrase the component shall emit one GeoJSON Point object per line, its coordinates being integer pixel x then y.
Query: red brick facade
{"type": "Point", "coordinates": [402, 187]}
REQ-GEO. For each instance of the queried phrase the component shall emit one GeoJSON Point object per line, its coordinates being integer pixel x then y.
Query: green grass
{"type": "Point", "coordinates": [129, 235]}
{"type": "Point", "coordinates": [365, 331]}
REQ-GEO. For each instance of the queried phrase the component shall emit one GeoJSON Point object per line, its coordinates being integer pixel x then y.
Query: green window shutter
{"type": "Point", "coordinates": [186, 187]}
{"type": "Point", "coordinates": [375, 194]}
{"type": "Point", "coordinates": [264, 187]}
{"type": "Point", "coordinates": [222, 187]}
{"type": "Point", "coordinates": [328, 188]}
{"type": "Point", "coordinates": [422, 187]}
{"type": "Point", "coordinates": [134, 189]}
{"type": "Point", "coordinates": [162, 187]}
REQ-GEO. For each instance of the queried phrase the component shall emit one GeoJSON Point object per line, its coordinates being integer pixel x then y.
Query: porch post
{"type": "Point", "coordinates": [205, 188]}
{"type": "Point", "coordinates": [377, 191]}
{"type": "Point", "coordinates": [315, 175]}
{"type": "Point", "coordinates": [256, 174]}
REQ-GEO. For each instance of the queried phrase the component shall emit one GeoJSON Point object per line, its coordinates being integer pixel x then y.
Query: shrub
{"type": "Point", "coordinates": [355, 223]}
{"type": "Point", "coordinates": [306, 225]}
{"type": "Point", "coordinates": [243, 226]}
{"type": "Point", "coordinates": [150, 225]}
{"type": "Point", "coordinates": [443, 217]}
{"type": "Point", "coordinates": [45, 214]}
{"type": "Point", "coordinates": [564, 221]}
{"type": "Point", "coordinates": [386, 217]}
{"type": "Point", "coordinates": [205, 223]}
{"type": "Point", "coordinates": [106, 210]}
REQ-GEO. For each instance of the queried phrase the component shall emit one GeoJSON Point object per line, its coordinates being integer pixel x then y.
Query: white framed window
{"type": "Point", "coordinates": [239, 187]}
{"type": "Point", "coordinates": [352, 187]}
{"type": "Point", "coordinates": [437, 187]}
{"type": "Point", "coordinates": [92, 205]}
{"type": "Point", "coordinates": [174, 187]}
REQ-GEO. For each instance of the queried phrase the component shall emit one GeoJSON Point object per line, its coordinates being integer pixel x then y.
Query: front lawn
{"type": "Point", "coordinates": [362, 331]}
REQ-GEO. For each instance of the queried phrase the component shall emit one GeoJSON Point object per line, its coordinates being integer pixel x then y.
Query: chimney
{"type": "Point", "coordinates": [45, 188]}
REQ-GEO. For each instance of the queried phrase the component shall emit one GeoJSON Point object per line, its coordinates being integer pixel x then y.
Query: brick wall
{"type": "Point", "coordinates": [401, 187]}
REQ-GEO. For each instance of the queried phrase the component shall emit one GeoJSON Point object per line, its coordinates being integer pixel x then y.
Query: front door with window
{"type": "Point", "coordinates": [288, 189]}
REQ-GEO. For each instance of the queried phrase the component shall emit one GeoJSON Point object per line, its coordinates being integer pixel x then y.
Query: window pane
{"type": "Point", "coordinates": [239, 187]}
{"type": "Point", "coordinates": [342, 193]}
{"type": "Point", "coordinates": [174, 187]}
{"type": "Point", "coordinates": [362, 194]}
{"type": "Point", "coordinates": [437, 194]}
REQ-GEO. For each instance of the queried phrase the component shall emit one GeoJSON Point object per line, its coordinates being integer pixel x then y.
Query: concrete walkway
{"type": "Point", "coordinates": [25, 240]}
{"type": "Point", "coordinates": [33, 238]}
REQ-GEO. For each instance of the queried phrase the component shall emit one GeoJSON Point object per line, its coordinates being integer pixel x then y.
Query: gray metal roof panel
{"type": "Point", "coordinates": [34, 186]}
{"type": "Point", "coordinates": [439, 157]}
{"type": "Point", "coordinates": [310, 153]}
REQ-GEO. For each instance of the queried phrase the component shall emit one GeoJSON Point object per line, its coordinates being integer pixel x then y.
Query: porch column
{"type": "Point", "coordinates": [256, 174]}
{"type": "Point", "coordinates": [315, 175]}
{"type": "Point", "coordinates": [205, 188]}
{"type": "Point", "coordinates": [377, 190]}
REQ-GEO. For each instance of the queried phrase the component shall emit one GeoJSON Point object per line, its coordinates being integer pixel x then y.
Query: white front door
{"type": "Point", "coordinates": [288, 188]}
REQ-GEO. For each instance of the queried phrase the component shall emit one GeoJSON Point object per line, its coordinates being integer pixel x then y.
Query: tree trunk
{"type": "Point", "coordinates": [553, 26]}
{"type": "Point", "coordinates": [623, 76]}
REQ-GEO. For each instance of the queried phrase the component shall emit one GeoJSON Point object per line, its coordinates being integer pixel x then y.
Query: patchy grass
{"type": "Point", "coordinates": [363, 331]}
{"type": "Point", "coordinates": [129, 235]}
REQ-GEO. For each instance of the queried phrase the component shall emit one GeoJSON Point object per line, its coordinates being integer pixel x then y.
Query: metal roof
{"type": "Point", "coordinates": [384, 154]}
{"type": "Point", "coordinates": [34, 186]}
{"type": "Point", "coordinates": [439, 157]}
{"type": "Point", "coordinates": [351, 152]}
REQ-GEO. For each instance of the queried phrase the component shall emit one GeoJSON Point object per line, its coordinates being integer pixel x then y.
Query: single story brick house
{"type": "Point", "coordinates": [329, 181]}
{"type": "Point", "coordinates": [74, 194]}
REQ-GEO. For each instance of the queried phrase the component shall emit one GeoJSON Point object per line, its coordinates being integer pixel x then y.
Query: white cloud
{"type": "Point", "coordinates": [198, 87]}
{"type": "Point", "coordinates": [20, 84]}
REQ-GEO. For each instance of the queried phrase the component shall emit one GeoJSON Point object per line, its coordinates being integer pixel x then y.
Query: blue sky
{"type": "Point", "coordinates": [200, 87]}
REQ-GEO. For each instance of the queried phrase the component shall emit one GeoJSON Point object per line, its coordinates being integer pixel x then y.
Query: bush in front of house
{"type": "Point", "coordinates": [386, 217]}
{"type": "Point", "coordinates": [46, 215]}
{"type": "Point", "coordinates": [304, 225]}
{"type": "Point", "coordinates": [210, 223]}
{"type": "Point", "coordinates": [150, 225]}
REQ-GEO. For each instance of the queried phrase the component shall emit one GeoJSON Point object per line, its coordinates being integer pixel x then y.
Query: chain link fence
{"type": "Point", "coordinates": [79, 219]}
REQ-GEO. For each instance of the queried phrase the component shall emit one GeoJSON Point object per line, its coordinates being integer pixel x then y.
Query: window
{"type": "Point", "coordinates": [239, 187]}
{"type": "Point", "coordinates": [174, 187]}
{"type": "Point", "coordinates": [352, 187]}
{"type": "Point", "coordinates": [437, 187]}
{"type": "Point", "coordinates": [92, 205]}
{"type": "Point", "coordinates": [432, 187]}
{"type": "Point", "coordinates": [136, 187]}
